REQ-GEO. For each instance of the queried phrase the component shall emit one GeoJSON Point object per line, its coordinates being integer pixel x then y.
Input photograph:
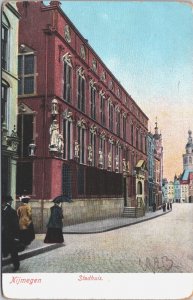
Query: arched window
{"type": "Point", "coordinates": [139, 188]}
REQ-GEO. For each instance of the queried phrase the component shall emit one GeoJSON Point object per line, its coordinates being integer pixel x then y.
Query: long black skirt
{"type": "Point", "coordinates": [27, 235]}
{"type": "Point", "coordinates": [54, 235]}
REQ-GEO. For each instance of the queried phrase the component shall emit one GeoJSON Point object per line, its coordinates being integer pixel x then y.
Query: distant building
{"type": "Point", "coordinates": [186, 179]}
{"type": "Point", "coordinates": [150, 166]}
{"type": "Point", "coordinates": [177, 189]}
{"type": "Point", "coordinates": [9, 91]}
{"type": "Point", "coordinates": [158, 166]}
{"type": "Point", "coordinates": [170, 188]}
{"type": "Point", "coordinates": [188, 156]}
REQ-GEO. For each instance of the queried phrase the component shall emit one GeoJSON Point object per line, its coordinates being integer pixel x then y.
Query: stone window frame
{"type": "Point", "coordinates": [93, 97]}
{"type": "Point", "coordinates": [67, 79]}
{"type": "Point", "coordinates": [5, 43]}
{"type": "Point", "coordinates": [81, 90]}
{"type": "Point", "coordinates": [26, 52]}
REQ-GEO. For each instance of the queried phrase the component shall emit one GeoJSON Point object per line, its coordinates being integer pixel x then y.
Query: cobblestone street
{"type": "Point", "coordinates": [163, 244]}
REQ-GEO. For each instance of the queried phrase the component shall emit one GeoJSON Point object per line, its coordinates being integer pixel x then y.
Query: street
{"type": "Point", "coordinates": [159, 245]}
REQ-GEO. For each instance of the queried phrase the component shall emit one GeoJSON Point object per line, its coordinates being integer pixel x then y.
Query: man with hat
{"type": "Point", "coordinates": [10, 231]}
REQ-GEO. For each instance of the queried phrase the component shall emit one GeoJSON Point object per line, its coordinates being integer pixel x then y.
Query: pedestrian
{"type": "Point", "coordinates": [10, 231]}
{"type": "Point", "coordinates": [164, 206]}
{"type": "Point", "coordinates": [24, 212]}
{"type": "Point", "coordinates": [154, 207]}
{"type": "Point", "coordinates": [171, 205]}
{"type": "Point", "coordinates": [168, 206]}
{"type": "Point", "coordinates": [54, 227]}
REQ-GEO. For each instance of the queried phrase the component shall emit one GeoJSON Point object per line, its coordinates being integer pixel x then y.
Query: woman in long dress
{"type": "Point", "coordinates": [54, 227]}
{"type": "Point", "coordinates": [24, 212]}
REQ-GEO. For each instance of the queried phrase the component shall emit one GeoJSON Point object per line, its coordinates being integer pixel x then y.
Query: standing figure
{"type": "Point", "coordinates": [54, 132]}
{"type": "Point", "coordinates": [171, 205]}
{"type": "Point", "coordinates": [24, 212]}
{"type": "Point", "coordinates": [10, 231]}
{"type": "Point", "coordinates": [109, 160]}
{"type": "Point", "coordinates": [54, 226]}
{"type": "Point", "coordinates": [100, 158]}
{"type": "Point", "coordinates": [124, 165]}
{"type": "Point", "coordinates": [164, 206]}
{"type": "Point", "coordinates": [168, 206]}
{"type": "Point", "coordinates": [76, 149]}
{"type": "Point", "coordinates": [60, 144]}
{"type": "Point", "coordinates": [117, 163]}
{"type": "Point", "coordinates": [90, 153]}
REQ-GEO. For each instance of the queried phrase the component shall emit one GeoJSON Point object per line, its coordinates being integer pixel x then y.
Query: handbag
{"type": "Point", "coordinates": [18, 245]}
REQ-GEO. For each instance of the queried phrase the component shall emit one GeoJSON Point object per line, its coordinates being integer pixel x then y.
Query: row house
{"type": "Point", "coordinates": [81, 134]}
{"type": "Point", "coordinates": [9, 92]}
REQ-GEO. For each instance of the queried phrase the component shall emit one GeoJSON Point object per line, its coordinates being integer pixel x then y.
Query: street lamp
{"type": "Point", "coordinates": [32, 149]}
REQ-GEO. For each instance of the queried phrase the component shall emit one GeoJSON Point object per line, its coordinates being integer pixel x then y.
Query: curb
{"type": "Point", "coordinates": [115, 227]}
{"type": "Point", "coordinates": [32, 252]}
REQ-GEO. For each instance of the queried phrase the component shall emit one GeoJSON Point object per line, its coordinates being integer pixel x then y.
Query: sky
{"type": "Point", "coordinates": [148, 46]}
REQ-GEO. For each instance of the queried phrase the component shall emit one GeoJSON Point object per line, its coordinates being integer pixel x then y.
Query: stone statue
{"type": "Point", "coordinates": [76, 149]}
{"type": "Point", "coordinates": [60, 144]}
{"type": "Point", "coordinates": [128, 166]}
{"type": "Point", "coordinates": [100, 158]}
{"type": "Point", "coordinates": [109, 160]}
{"type": "Point", "coordinates": [116, 163]}
{"type": "Point", "coordinates": [54, 132]}
{"type": "Point", "coordinates": [124, 165]}
{"type": "Point", "coordinates": [90, 153]}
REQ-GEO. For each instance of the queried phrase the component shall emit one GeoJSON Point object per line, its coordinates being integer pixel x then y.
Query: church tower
{"type": "Point", "coordinates": [188, 157]}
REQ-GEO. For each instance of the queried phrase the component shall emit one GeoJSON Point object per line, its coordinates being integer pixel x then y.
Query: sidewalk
{"type": "Point", "coordinates": [38, 246]}
{"type": "Point", "coordinates": [109, 224]}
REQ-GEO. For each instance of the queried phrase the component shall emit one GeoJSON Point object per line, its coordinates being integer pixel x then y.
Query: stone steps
{"type": "Point", "coordinates": [133, 212]}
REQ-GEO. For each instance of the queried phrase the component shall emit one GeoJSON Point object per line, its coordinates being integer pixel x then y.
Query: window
{"type": "Point", "coordinates": [102, 109]}
{"type": "Point", "coordinates": [93, 145]}
{"type": "Point", "coordinates": [4, 93]}
{"type": "Point", "coordinates": [81, 92]}
{"type": "Point", "coordinates": [81, 142]}
{"type": "Point", "coordinates": [111, 116]}
{"type": "Point", "coordinates": [137, 138]}
{"type": "Point", "coordinates": [118, 122]}
{"type": "Point", "coordinates": [26, 73]}
{"type": "Point", "coordinates": [4, 47]}
{"type": "Point", "coordinates": [124, 127]}
{"type": "Point", "coordinates": [67, 139]}
{"type": "Point", "coordinates": [92, 102]}
{"type": "Point", "coordinates": [67, 81]}
{"type": "Point", "coordinates": [102, 149]}
{"type": "Point", "coordinates": [141, 142]}
{"type": "Point", "coordinates": [25, 133]}
{"type": "Point", "coordinates": [132, 134]}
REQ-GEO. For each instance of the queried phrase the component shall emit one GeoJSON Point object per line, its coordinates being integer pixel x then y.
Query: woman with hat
{"type": "Point", "coordinates": [54, 226]}
{"type": "Point", "coordinates": [24, 213]}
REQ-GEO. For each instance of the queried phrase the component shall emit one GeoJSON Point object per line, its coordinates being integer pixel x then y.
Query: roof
{"type": "Point", "coordinates": [185, 175]}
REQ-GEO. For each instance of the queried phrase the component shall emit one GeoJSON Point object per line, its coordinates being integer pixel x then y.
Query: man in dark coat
{"type": "Point", "coordinates": [10, 231]}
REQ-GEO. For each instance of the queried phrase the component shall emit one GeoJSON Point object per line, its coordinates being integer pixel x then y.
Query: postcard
{"type": "Point", "coordinates": [97, 149]}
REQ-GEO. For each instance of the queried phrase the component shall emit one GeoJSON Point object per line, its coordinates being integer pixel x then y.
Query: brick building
{"type": "Point", "coordinates": [81, 134]}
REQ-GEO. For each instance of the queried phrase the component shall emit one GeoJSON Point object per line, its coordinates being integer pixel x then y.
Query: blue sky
{"type": "Point", "coordinates": [149, 48]}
